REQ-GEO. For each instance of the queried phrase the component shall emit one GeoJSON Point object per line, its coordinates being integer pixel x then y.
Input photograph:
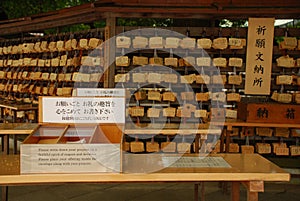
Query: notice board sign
{"type": "Point", "coordinates": [269, 113]}
{"type": "Point", "coordinates": [70, 158]}
{"type": "Point", "coordinates": [99, 92]}
{"type": "Point", "coordinates": [259, 56]}
{"type": "Point", "coordinates": [82, 110]}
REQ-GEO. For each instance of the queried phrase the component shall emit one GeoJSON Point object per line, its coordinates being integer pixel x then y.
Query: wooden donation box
{"type": "Point", "coordinates": [76, 134]}
{"type": "Point", "coordinates": [269, 113]}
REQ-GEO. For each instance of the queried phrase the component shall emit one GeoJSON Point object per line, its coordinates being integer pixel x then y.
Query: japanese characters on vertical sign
{"type": "Point", "coordinates": [259, 56]}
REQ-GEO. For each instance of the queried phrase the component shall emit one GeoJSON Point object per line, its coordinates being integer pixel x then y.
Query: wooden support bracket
{"type": "Point", "coordinates": [254, 186]}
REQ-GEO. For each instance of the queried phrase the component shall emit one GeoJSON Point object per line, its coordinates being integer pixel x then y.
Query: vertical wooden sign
{"type": "Point", "coordinates": [259, 56]}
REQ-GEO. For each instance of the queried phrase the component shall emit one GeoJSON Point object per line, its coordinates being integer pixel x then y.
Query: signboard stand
{"type": "Point", "coordinates": [76, 134]}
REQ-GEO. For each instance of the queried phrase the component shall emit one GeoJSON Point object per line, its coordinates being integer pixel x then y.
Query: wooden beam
{"type": "Point", "coordinates": [198, 9]}
{"type": "Point", "coordinates": [110, 67]}
{"type": "Point", "coordinates": [204, 3]}
{"type": "Point", "coordinates": [188, 11]}
{"type": "Point", "coordinates": [39, 26]}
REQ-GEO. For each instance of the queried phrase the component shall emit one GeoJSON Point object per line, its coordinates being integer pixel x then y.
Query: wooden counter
{"type": "Point", "coordinates": [249, 169]}
{"type": "Point", "coordinates": [15, 129]}
{"type": "Point", "coordinates": [16, 108]}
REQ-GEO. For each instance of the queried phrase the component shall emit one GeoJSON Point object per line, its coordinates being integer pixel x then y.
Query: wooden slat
{"type": "Point", "coordinates": [231, 124]}
{"type": "Point", "coordinates": [172, 131]}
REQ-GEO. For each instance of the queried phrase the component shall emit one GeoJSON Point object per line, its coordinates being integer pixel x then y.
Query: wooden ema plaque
{"type": "Point", "coordinates": [247, 149]}
{"type": "Point", "coordinates": [152, 146]}
{"type": "Point", "coordinates": [269, 113]}
{"type": "Point", "coordinates": [183, 147]}
{"type": "Point", "coordinates": [263, 148]}
{"type": "Point", "coordinates": [137, 147]}
{"type": "Point", "coordinates": [295, 150]}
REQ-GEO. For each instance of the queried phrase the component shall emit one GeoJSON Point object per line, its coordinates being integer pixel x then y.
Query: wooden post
{"type": "Point", "coordinates": [252, 196]}
{"type": "Point", "coordinates": [196, 192]}
{"type": "Point", "coordinates": [2, 142]}
{"type": "Point", "coordinates": [109, 51]}
{"type": "Point", "coordinates": [223, 134]}
{"type": "Point", "coordinates": [6, 144]}
{"type": "Point", "coordinates": [197, 145]}
{"type": "Point", "coordinates": [4, 191]}
{"type": "Point", "coordinates": [15, 142]}
{"type": "Point", "coordinates": [227, 141]}
{"type": "Point", "coordinates": [202, 191]}
{"type": "Point", "coordinates": [235, 191]}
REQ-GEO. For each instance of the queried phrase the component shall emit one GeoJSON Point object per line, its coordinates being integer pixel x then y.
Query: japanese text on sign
{"type": "Point", "coordinates": [259, 56]}
{"type": "Point", "coordinates": [264, 113]}
{"type": "Point", "coordinates": [83, 110]}
{"type": "Point", "coordinates": [100, 92]}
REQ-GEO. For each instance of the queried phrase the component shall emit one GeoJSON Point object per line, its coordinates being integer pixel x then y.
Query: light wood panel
{"type": "Point", "coordinates": [250, 167]}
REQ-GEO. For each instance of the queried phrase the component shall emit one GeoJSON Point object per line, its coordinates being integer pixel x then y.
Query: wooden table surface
{"type": "Point", "coordinates": [244, 167]}
{"type": "Point", "coordinates": [251, 170]}
{"type": "Point", "coordinates": [14, 129]}
{"type": "Point", "coordinates": [18, 106]}
{"type": "Point", "coordinates": [18, 128]}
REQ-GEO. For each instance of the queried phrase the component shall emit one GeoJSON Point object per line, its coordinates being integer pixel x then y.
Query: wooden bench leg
{"type": "Point", "coordinates": [235, 191]}
{"type": "Point", "coordinates": [15, 139]}
{"type": "Point", "coordinates": [196, 192]}
{"type": "Point", "coordinates": [6, 144]}
{"type": "Point", "coordinates": [2, 143]}
{"type": "Point", "coordinates": [252, 196]}
{"type": "Point", "coordinates": [202, 192]}
{"type": "Point", "coordinates": [4, 191]}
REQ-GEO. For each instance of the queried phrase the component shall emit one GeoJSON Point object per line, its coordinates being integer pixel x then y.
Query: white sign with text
{"type": "Point", "coordinates": [70, 158]}
{"type": "Point", "coordinates": [83, 110]}
{"type": "Point", "coordinates": [100, 92]}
